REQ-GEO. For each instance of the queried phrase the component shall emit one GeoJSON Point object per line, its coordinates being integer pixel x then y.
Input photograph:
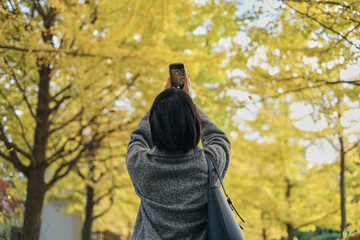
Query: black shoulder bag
{"type": "Point", "coordinates": [222, 224]}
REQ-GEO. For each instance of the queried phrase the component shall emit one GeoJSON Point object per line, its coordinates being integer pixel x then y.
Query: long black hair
{"type": "Point", "coordinates": [174, 122]}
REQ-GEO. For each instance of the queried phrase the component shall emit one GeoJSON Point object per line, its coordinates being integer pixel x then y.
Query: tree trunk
{"type": "Point", "coordinates": [290, 230]}
{"type": "Point", "coordinates": [342, 187]}
{"type": "Point", "coordinates": [263, 228]}
{"type": "Point", "coordinates": [34, 201]}
{"type": "Point", "coordinates": [36, 187]}
{"type": "Point", "coordinates": [289, 226]}
{"type": "Point", "coordinates": [86, 231]}
{"type": "Point", "coordinates": [264, 233]}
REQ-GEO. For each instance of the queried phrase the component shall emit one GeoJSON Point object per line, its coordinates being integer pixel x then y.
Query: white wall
{"type": "Point", "coordinates": [58, 226]}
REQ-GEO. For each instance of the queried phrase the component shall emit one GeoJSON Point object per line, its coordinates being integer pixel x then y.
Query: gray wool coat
{"type": "Point", "coordinates": [173, 188]}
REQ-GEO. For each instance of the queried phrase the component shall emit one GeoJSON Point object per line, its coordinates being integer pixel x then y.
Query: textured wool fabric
{"type": "Point", "coordinates": [173, 188]}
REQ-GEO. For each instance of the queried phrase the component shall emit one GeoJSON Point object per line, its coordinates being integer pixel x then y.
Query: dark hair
{"type": "Point", "coordinates": [174, 122]}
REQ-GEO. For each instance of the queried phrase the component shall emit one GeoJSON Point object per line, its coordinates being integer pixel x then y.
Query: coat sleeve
{"type": "Point", "coordinates": [216, 144]}
{"type": "Point", "coordinates": [140, 138]}
{"type": "Point", "coordinates": [138, 147]}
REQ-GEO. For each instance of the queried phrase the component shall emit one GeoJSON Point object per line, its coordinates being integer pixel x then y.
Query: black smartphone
{"type": "Point", "coordinates": [177, 75]}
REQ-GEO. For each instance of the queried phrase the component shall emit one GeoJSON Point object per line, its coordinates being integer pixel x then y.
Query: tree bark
{"type": "Point", "coordinates": [264, 234]}
{"type": "Point", "coordinates": [263, 228]}
{"type": "Point", "coordinates": [289, 226]}
{"type": "Point", "coordinates": [36, 189]}
{"type": "Point", "coordinates": [290, 230]}
{"type": "Point", "coordinates": [86, 231]}
{"type": "Point", "coordinates": [342, 187]}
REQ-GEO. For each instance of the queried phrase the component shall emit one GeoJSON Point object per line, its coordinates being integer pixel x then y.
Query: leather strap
{"type": "Point", "coordinates": [222, 184]}
{"type": "Point", "coordinates": [217, 173]}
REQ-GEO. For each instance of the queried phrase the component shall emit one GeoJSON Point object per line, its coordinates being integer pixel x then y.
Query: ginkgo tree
{"type": "Point", "coordinates": [65, 63]}
{"type": "Point", "coordinates": [305, 48]}
{"type": "Point", "coordinates": [271, 179]}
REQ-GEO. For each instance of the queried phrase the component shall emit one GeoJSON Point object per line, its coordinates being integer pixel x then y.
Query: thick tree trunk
{"type": "Point", "coordinates": [342, 187]}
{"type": "Point", "coordinates": [86, 231]}
{"type": "Point", "coordinates": [36, 187]}
{"type": "Point", "coordinates": [34, 201]}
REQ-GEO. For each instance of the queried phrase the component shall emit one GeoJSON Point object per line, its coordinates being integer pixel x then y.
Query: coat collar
{"type": "Point", "coordinates": [176, 157]}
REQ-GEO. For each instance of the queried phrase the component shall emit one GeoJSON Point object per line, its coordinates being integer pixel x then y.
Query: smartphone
{"type": "Point", "coordinates": [177, 75]}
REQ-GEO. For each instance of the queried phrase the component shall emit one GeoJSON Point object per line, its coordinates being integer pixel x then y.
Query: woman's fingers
{"type": "Point", "coordinates": [186, 83]}
{"type": "Point", "coordinates": [168, 84]}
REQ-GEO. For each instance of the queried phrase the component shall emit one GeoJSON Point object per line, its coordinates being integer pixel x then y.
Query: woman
{"type": "Point", "coordinates": [169, 170]}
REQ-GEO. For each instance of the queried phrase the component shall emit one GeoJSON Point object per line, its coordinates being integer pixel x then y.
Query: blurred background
{"type": "Point", "coordinates": [281, 77]}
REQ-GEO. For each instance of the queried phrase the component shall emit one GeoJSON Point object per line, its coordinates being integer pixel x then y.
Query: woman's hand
{"type": "Point", "coordinates": [168, 84]}
{"type": "Point", "coordinates": [187, 87]}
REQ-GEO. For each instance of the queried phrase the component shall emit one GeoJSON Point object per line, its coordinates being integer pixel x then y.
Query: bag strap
{"type": "Point", "coordinates": [221, 182]}
{"type": "Point", "coordinates": [217, 173]}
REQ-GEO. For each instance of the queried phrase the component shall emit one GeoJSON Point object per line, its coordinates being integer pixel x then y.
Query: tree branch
{"type": "Point", "coordinates": [61, 92]}
{"type": "Point", "coordinates": [12, 148]}
{"type": "Point", "coordinates": [81, 175]}
{"type": "Point", "coordinates": [354, 82]}
{"type": "Point", "coordinates": [348, 33]}
{"type": "Point", "coordinates": [5, 157]}
{"type": "Point", "coordinates": [39, 9]}
{"type": "Point", "coordinates": [321, 2]}
{"type": "Point", "coordinates": [316, 220]}
{"type": "Point", "coordinates": [70, 164]}
{"type": "Point", "coordinates": [67, 122]}
{"type": "Point", "coordinates": [18, 119]}
{"type": "Point", "coordinates": [59, 102]}
{"type": "Point", "coordinates": [22, 91]}
{"type": "Point", "coordinates": [106, 210]}
{"type": "Point", "coordinates": [59, 153]}
{"type": "Point", "coordinates": [352, 147]}
{"type": "Point", "coordinates": [321, 24]}
{"type": "Point", "coordinates": [59, 51]}
{"type": "Point", "coordinates": [57, 174]}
